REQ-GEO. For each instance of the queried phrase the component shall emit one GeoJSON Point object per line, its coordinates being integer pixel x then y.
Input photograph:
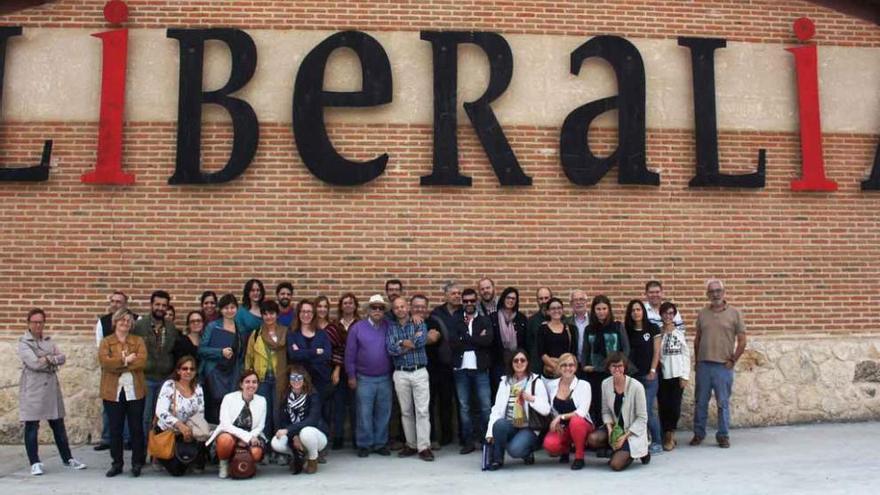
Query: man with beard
{"type": "Point", "coordinates": [533, 327]}
{"type": "Point", "coordinates": [283, 296]}
{"type": "Point", "coordinates": [159, 337]}
{"type": "Point", "coordinates": [488, 300]}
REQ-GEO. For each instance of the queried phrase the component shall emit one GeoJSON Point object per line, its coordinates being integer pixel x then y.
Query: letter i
{"type": "Point", "coordinates": [108, 168]}
{"type": "Point", "coordinates": [812, 163]}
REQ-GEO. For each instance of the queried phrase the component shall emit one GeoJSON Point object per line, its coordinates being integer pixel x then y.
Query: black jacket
{"type": "Point", "coordinates": [312, 418]}
{"type": "Point", "coordinates": [480, 342]}
{"type": "Point", "coordinates": [499, 356]}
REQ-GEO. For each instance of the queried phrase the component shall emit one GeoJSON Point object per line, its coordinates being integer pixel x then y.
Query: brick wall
{"type": "Point", "coordinates": [803, 264]}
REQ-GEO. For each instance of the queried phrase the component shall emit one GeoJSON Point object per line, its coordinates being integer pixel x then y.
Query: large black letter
{"type": "Point", "coordinates": [873, 182]}
{"type": "Point", "coordinates": [504, 162]}
{"type": "Point", "coordinates": [708, 174]}
{"type": "Point", "coordinates": [579, 163]}
{"type": "Point", "coordinates": [245, 128]}
{"type": "Point", "coordinates": [37, 173]}
{"type": "Point", "coordinates": [309, 100]}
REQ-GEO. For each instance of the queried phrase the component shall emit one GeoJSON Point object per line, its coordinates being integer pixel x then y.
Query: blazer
{"type": "Point", "coordinates": [499, 408]}
{"type": "Point", "coordinates": [230, 408]}
{"type": "Point", "coordinates": [480, 342]}
{"type": "Point", "coordinates": [499, 356]}
{"type": "Point", "coordinates": [634, 411]}
{"type": "Point", "coordinates": [581, 394]}
{"type": "Point", "coordinates": [112, 366]}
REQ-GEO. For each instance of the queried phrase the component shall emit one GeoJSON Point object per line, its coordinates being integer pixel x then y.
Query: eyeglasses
{"type": "Point", "coordinates": [196, 320]}
{"type": "Point", "coordinates": [671, 312]}
{"type": "Point", "coordinates": [618, 365]}
{"type": "Point", "coordinates": [187, 368]}
{"type": "Point", "coordinates": [567, 365]}
{"type": "Point", "coordinates": [510, 298]}
{"type": "Point", "coordinates": [520, 360]}
{"type": "Point", "coordinates": [715, 291]}
{"type": "Point", "coordinates": [296, 378]}
{"type": "Point", "coordinates": [469, 301]}
{"type": "Point", "coordinates": [37, 322]}
{"type": "Point", "coordinates": [555, 308]}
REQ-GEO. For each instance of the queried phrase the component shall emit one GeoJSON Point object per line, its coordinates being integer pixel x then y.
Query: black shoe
{"type": "Point", "coordinates": [337, 443]}
{"type": "Point", "coordinates": [126, 446]}
{"type": "Point", "coordinates": [467, 449]}
{"type": "Point", "coordinates": [495, 466]}
{"type": "Point", "coordinates": [136, 471]}
{"type": "Point", "coordinates": [102, 446]}
{"type": "Point", "coordinates": [383, 451]}
{"type": "Point", "coordinates": [646, 459]}
{"type": "Point", "coordinates": [407, 451]}
{"type": "Point", "coordinates": [577, 465]}
{"type": "Point", "coordinates": [297, 462]}
{"type": "Point", "coordinates": [563, 459]}
{"type": "Point", "coordinates": [113, 471]}
{"type": "Point", "coordinates": [529, 459]}
{"type": "Point", "coordinates": [363, 452]}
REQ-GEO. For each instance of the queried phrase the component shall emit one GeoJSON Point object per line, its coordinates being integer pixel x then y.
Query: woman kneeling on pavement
{"type": "Point", "coordinates": [242, 418]}
{"type": "Point", "coordinates": [181, 408]}
{"type": "Point", "coordinates": [303, 432]}
{"type": "Point", "coordinates": [625, 414]}
{"type": "Point", "coordinates": [570, 407]}
{"type": "Point", "coordinates": [519, 395]}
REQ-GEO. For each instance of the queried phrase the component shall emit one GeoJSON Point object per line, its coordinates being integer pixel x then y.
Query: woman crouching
{"type": "Point", "coordinates": [302, 433]}
{"type": "Point", "coordinates": [242, 419]}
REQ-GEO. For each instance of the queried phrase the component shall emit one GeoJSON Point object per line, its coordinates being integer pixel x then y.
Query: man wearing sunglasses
{"type": "Point", "coordinates": [369, 374]}
{"type": "Point", "coordinates": [471, 343]}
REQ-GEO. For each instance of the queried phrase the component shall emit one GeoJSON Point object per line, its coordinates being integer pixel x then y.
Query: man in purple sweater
{"type": "Point", "coordinates": [369, 374]}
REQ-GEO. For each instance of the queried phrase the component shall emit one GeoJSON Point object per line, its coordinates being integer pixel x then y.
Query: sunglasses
{"type": "Point", "coordinates": [377, 308]}
{"type": "Point", "coordinates": [520, 360]}
{"type": "Point", "coordinates": [469, 301]}
{"type": "Point", "coordinates": [187, 368]}
{"type": "Point", "coordinates": [296, 378]}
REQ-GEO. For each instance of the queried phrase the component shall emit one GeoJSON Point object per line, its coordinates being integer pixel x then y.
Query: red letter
{"type": "Point", "coordinates": [108, 169]}
{"type": "Point", "coordinates": [813, 165]}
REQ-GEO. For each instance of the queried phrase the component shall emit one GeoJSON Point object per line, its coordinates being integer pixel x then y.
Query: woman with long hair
{"type": "Point", "coordinates": [242, 419]}
{"type": "Point", "coordinates": [267, 355]}
{"type": "Point", "coordinates": [644, 341]}
{"type": "Point", "coordinates": [342, 401]}
{"type": "Point", "coordinates": [180, 407]}
{"type": "Point", "coordinates": [248, 317]}
{"type": "Point", "coordinates": [555, 338]}
{"type": "Point", "coordinates": [604, 336]}
{"type": "Point", "coordinates": [303, 432]}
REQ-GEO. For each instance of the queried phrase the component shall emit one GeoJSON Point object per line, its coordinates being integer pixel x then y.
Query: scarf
{"type": "Point", "coordinates": [296, 407]}
{"type": "Point", "coordinates": [508, 332]}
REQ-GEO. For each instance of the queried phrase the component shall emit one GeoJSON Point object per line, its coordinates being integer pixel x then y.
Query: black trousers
{"type": "Point", "coordinates": [132, 413]}
{"type": "Point", "coordinates": [595, 378]}
{"type": "Point", "coordinates": [669, 402]}
{"type": "Point", "coordinates": [442, 404]}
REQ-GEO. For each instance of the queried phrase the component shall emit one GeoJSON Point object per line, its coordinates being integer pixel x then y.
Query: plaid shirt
{"type": "Point", "coordinates": [402, 357]}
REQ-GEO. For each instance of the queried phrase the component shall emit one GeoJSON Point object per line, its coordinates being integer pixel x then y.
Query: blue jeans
{"type": "Point", "coordinates": [105, 429]}
{"type": "Point", "coordinates": [266, 389]}
{"type": "Point", "coordinates": [651, 388]}
{"type": "Point", "coordinates": [343, 407]}
{"type": "Point", "coordinates": [712, 376]}
{"type": "Point", "coordinates": [373, 411]}
{"type": "Point", "coordinates": [518, 442]}
{"type": "Point", "coordinates": [468, 382]}
{"type": "Point", "coordinates": [153, 388]}
{"type": "Point", "coordinates": [31, 428]}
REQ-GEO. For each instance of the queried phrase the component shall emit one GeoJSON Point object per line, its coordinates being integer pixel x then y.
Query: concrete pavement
{"type": "Point", "coordinates": [807, 459]}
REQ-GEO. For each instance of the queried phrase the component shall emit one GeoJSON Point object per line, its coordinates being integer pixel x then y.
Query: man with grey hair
{"type": "Point", "coordinates": [580, 319]}
{"type": "Point", "coordinates": [719, 342]}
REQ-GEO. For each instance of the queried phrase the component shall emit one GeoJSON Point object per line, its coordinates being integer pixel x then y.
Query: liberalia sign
{"type": "Point", "coordinates": [579, 163]}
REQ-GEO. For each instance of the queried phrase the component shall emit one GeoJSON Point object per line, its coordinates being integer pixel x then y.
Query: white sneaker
{"type": "Point", "coordinates": [37, 469]}
{"type": "Point", "coordinates": [75, 464]}
{"type": "Point", "coordinates": [224, 469]}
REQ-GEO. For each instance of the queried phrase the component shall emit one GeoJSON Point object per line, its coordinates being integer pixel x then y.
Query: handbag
{"type": "Point", "coordinates": [185, 452]}
{"type": "Point", "coordinates": [161, 445]}
{"type": "Point", "coordinates": [242, 465]}
{"type": "Point", "coordinates": [538, 422]}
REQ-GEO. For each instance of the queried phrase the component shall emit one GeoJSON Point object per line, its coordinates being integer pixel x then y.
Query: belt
{"type": "Point", "coordinates": [409, 368]}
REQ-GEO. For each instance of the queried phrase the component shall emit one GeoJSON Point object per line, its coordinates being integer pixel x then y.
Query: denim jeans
{"type": "Point", "coordinates": [467, 383]}
{"type": "Point", "coordinates": [373, 410]}
{"type": "Point", "coordinates": [712, 376]}
{"type": "Point", "coordinates": [31, 428]}
{"type": "Point", "coordinates": [651, 387]}
{"type": "Point", "coordinates": [343, 407]}
{"type": "Point", "coordinates": [153, 388]}
{"type": "Point", "coordinates": [518, 442]}
{"type": "Point", "coordinates": [105, 429]}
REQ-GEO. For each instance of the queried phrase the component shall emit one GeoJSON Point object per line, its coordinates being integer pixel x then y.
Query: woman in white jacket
{"type": "Point", "coordinates": [570, 407]}
{"type": "Point", "coordinates": [625, 414]}
{"type": "Point", "coordinates": [242, 418]}
{"type": "Point", "coordinates": [520, 394]}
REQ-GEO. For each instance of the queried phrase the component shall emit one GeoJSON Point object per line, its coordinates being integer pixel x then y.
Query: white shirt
{"type": "Point", "coordinates": [469, 358]}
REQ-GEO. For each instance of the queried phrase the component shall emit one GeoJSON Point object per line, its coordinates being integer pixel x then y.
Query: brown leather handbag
{"type": "Point", "coordinates": [160, 445]}
{"type": "Point", "coordinates": [242, 465]}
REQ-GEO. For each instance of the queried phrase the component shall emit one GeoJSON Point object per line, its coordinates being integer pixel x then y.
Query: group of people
{"type": "Point", "coordinates": [273, 377]}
